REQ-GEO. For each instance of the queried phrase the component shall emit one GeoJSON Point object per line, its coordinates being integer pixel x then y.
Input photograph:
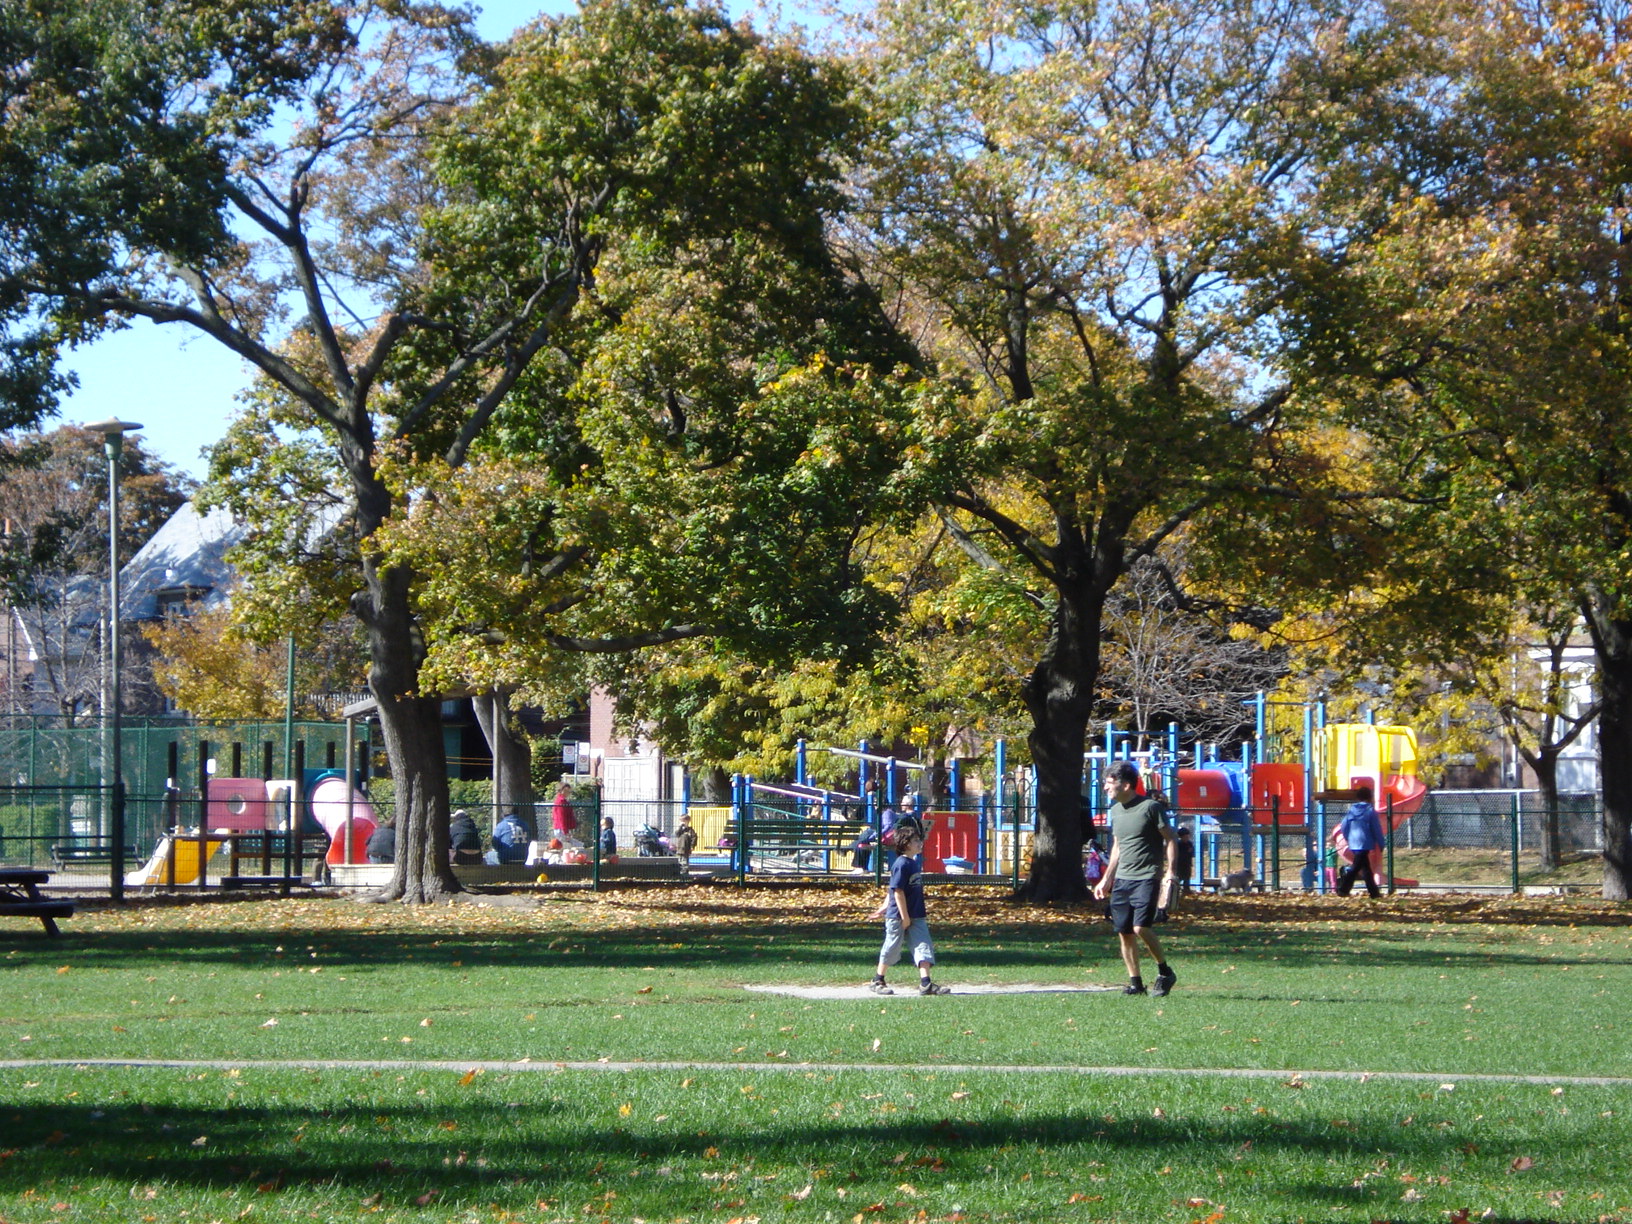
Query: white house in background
{"type": "Point", "coordinates": [182, 569]}
{"type": "Point", "coordinates": [1578, 772]}
{"type": "Point", "coordinates": [638, 783]}
{"type": "Point", "coordinates": [53, 661]}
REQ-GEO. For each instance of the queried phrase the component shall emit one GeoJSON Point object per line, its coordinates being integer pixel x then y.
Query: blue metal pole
{"type": "Point", "coordinates": [983, 823]}
{"type": "Point", "coordinates": [863, 773]}
{"type": "Point", "coordinates": [745, 828]}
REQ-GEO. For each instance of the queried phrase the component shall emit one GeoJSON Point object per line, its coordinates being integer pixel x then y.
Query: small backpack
{"type": "Point", "coordinates": [1094, 866]}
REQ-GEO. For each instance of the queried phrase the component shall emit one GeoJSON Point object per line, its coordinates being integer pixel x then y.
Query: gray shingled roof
{"type": "Point", "coordinates": [186, 554]}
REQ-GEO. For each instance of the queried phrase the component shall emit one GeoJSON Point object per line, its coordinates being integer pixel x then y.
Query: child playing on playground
{"type": "Point", "coordinates": [905, 917]}
{"type": "Point", "coordinates": [1357, 838]}
{"type": "Point", "coordinates": [685, 841]}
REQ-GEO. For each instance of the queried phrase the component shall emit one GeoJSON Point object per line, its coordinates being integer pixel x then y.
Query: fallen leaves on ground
{"type": "Point", "coordinates": [791, 906]}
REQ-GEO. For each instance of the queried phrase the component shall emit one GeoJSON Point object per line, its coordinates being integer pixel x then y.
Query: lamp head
{"type": "Point", "coordinates": [113, 432]}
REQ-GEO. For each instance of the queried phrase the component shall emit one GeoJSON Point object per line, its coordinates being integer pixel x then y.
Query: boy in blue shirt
{"type": "Point", "coordinates": [905, 918]}
{"type": "Point", "coordinates": [1363, 833]}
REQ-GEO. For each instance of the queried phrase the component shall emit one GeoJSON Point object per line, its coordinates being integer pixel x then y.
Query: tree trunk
{"type": "Point", "coordinates": [1612, 642]}
{"type": "Point", "coordinates": [1615, 767]}
{"type": "Point", "coordinates": [713, 785]}
{"type": "Point", "coordinates": [512, 755]}
{"type": "Point", "coordinates": [411, 724]}
{"type": "Point", "coordinates": [1059, 695]}
{"type": "Point", "coordinates": [1545, 765]}
{"type": "Point", "coordinates": [412, 729]}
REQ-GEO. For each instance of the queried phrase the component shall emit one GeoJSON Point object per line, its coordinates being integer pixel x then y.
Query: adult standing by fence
{"type": "Point", "coordinates": [562, 820]}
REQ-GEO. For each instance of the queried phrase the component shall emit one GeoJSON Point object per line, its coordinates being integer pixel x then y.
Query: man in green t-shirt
{"type": "Point", "coordinates": [1143, 851]}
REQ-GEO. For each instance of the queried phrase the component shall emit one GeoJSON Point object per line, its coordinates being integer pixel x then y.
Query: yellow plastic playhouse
{"type": "Point", "coordinates": [1382, 757]}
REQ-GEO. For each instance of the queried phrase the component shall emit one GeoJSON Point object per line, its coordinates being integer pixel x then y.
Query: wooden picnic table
{"type": "Point", "coordinates": [20, 896]}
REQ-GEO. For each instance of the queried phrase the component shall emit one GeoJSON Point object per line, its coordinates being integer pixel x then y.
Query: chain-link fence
{"type": "Point", "coordinates": [158, 752]}
{"type": "Point", "coordinates": [56, 815]}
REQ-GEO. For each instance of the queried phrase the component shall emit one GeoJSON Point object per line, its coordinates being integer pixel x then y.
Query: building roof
{"type": "Point", "coordinates": [185, 556]}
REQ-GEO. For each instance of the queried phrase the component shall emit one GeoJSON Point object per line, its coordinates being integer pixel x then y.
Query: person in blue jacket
{"type": "Point", "coordinates": [510, 838]}
{"type": "Point", "coordinates": [1363, 833]}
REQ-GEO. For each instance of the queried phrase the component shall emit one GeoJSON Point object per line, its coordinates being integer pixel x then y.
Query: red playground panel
{"type": "Point", "coordinates": [1205, 790]}
{"type": "Point", "coordinates": [952, 835]}
{"type": "Point", "coordinates": [1278, 781]}
{"type": "Point", "coordinates": [238, 804]}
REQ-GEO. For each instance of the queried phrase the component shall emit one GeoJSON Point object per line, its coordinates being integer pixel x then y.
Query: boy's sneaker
{"type": "Point", "coordinates": [1164, 983]}
{"type": "Point", "coordinates": [1131, 989]}
{"type": "Point", "coordinates": [878, 987]}
{"type": "Point", "coordinates": [927, 987]}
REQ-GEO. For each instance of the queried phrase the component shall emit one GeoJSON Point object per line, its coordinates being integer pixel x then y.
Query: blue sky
{"type": "Point", "coordinates": [178, 384]}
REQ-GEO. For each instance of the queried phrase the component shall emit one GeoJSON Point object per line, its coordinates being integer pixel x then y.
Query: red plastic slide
{"type": "Point", "coordinates": [1407, 793]}
{"type": "Point", "coordinates": [329, 807]}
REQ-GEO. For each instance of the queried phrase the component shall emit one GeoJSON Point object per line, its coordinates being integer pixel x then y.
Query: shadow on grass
{"type": "Point", "coordinates": [473, 1151]}
{"type": "Point", "coordinates": [731, 945]}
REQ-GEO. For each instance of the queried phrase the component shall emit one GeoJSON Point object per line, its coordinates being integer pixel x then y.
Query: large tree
{"type": "Point", "coordinates": [216, 165]}
{"type": "Point", "coordinates": [1485, 331]}
{"type": "Point", "coordinates": [1089, 210]}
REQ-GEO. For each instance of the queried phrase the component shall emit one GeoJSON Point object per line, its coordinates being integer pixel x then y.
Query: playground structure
{"type": "Point", "coordinates": [1240, 810]}
{"type": "Point", "coordinates": [1254, 809]}
{"type": "Point", "coordinates": [249, 819]}
{"type": "Point", "coordinates": [1243, 809]}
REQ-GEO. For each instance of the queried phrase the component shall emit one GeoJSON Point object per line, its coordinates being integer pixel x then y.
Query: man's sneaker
{"type": "Point", "coordinates": [1131, 989]}
{"type": "Point", "coordinates": [927, 987]}
{"type": "Point", "coordinates": [878, 987]}
{"type": "Point", "coordinates": [1164, 983]}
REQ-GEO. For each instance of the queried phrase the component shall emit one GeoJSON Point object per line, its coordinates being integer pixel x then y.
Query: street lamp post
{"type": "Point", "coordinates": [113, 433]}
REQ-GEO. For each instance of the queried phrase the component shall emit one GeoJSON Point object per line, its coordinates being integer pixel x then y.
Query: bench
{"type": "Point", "coordinates": [808, 842]}
{"type": "Point", "coordinates": [68, 855]}
{"type": "Point", "coordinates": [20, 898]}
{"type": "Point", "coordinates": [232, 883]}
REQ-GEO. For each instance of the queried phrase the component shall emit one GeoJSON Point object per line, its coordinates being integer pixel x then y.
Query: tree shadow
{"type": "Point", "coordinates": [484, 1149]}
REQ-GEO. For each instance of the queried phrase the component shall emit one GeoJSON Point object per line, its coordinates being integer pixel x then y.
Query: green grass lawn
{"type": "Point", "coordinates": [848, 1110]}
